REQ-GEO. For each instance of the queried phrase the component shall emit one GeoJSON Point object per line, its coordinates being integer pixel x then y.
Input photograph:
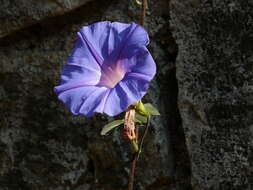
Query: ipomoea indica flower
{"type": "Point", "coordinates": [109, 69]}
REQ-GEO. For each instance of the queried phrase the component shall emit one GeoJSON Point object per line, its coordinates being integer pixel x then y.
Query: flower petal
{"type": "Point", "coordinates": [125, 36]}
{"type": "Point", "coordinates": [131, 89]}
{"type": "Point", "coordinates": [77, 73]}
{"type": "Point", "coordinates": [85, 50]}
{"type": "Point", "coordinates": [75, 77]}
{"type": "Point", "coordinates": [75, 97]}
{"type": "Point", "coordinates": [95, 40]}
{"type": "Point", "coordinates": [104, 41]}
{"type": "Point", "coordinates": [116, 101]}
{"type": "Point", "coordinates": [135, 87]}
{"type": "Point", "coordinates": [85, 100]}
{"type": "Point", "coordinates": [94, 102]}
{"type": "Point", "coordinates": [139, 60]}
{"type": "Point", "coordinates": [85, 63]}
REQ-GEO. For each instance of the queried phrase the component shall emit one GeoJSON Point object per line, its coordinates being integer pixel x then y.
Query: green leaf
{"type": "Point", "coordinates": [151, 109]}
{"type": "Point", "coordinates": [111, 126]}
{"type": "Point", "coordinates": [140, 118]}
{"type": "Point", "coordinates": [138, 2]}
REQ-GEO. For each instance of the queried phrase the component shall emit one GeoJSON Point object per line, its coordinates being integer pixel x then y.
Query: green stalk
{"type": "Point", "coordinates": [134, 146]}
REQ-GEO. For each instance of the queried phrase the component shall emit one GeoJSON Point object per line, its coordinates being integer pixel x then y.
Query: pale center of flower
{"type": "Point", "coordinates": [112, 75]}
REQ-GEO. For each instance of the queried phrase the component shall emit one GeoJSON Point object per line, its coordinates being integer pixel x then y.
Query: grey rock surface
{"type": "Point", "coordinates": [44, 147]}
{"type": "Point", "coordinates": [214, 72]}
{"type": "Point", "coordinates": [17, 14]}
{"type": "Point", "coordinates": [203, 51]}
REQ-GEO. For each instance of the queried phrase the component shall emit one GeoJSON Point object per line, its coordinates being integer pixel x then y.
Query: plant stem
{"type": "Point", "coordinates": [133, 164]}
{"type": "Point", "coordinates": [144, 9]}
{"type": "Point", "coordinates": [134, 145]}
{"type": "Point", "coordinates": [136, 154]}
{"type": "Point", "coordinates": [132, 174]}
{"type": "Point", "coordinates": [143, 137]}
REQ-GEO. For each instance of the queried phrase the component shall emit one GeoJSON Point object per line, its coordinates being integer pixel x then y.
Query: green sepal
{"type": "Point", "coordinates": [138, 2]}
{"type": "Point", "coordinates": [140, 108]}
{"type": "Point", "coordinates": [140, 118]}
{"type": "Point", "coordinates": [151, 109]}
{"type": "Point", "coordinates": [111, 126]}
{"type": "Point", "coordinates": [143, 111]}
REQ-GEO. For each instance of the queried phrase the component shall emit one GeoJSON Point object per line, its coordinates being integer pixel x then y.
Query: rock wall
{"type": "Point", "coordinates": [203, 89]}
{"type": "Point", "coordinates": [214, 71]}
{"type": "Point", "coordinates": [17, 14]}
{"type": "Point", "coordinates": [42, 145]}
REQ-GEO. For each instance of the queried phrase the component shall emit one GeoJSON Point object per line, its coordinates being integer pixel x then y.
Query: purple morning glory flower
{"type": "Point", "coordinates": [109, 69]}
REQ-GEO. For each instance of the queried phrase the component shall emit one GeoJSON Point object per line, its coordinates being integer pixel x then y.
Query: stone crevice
{"type": "Point", "coordinates": [169, 102]}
